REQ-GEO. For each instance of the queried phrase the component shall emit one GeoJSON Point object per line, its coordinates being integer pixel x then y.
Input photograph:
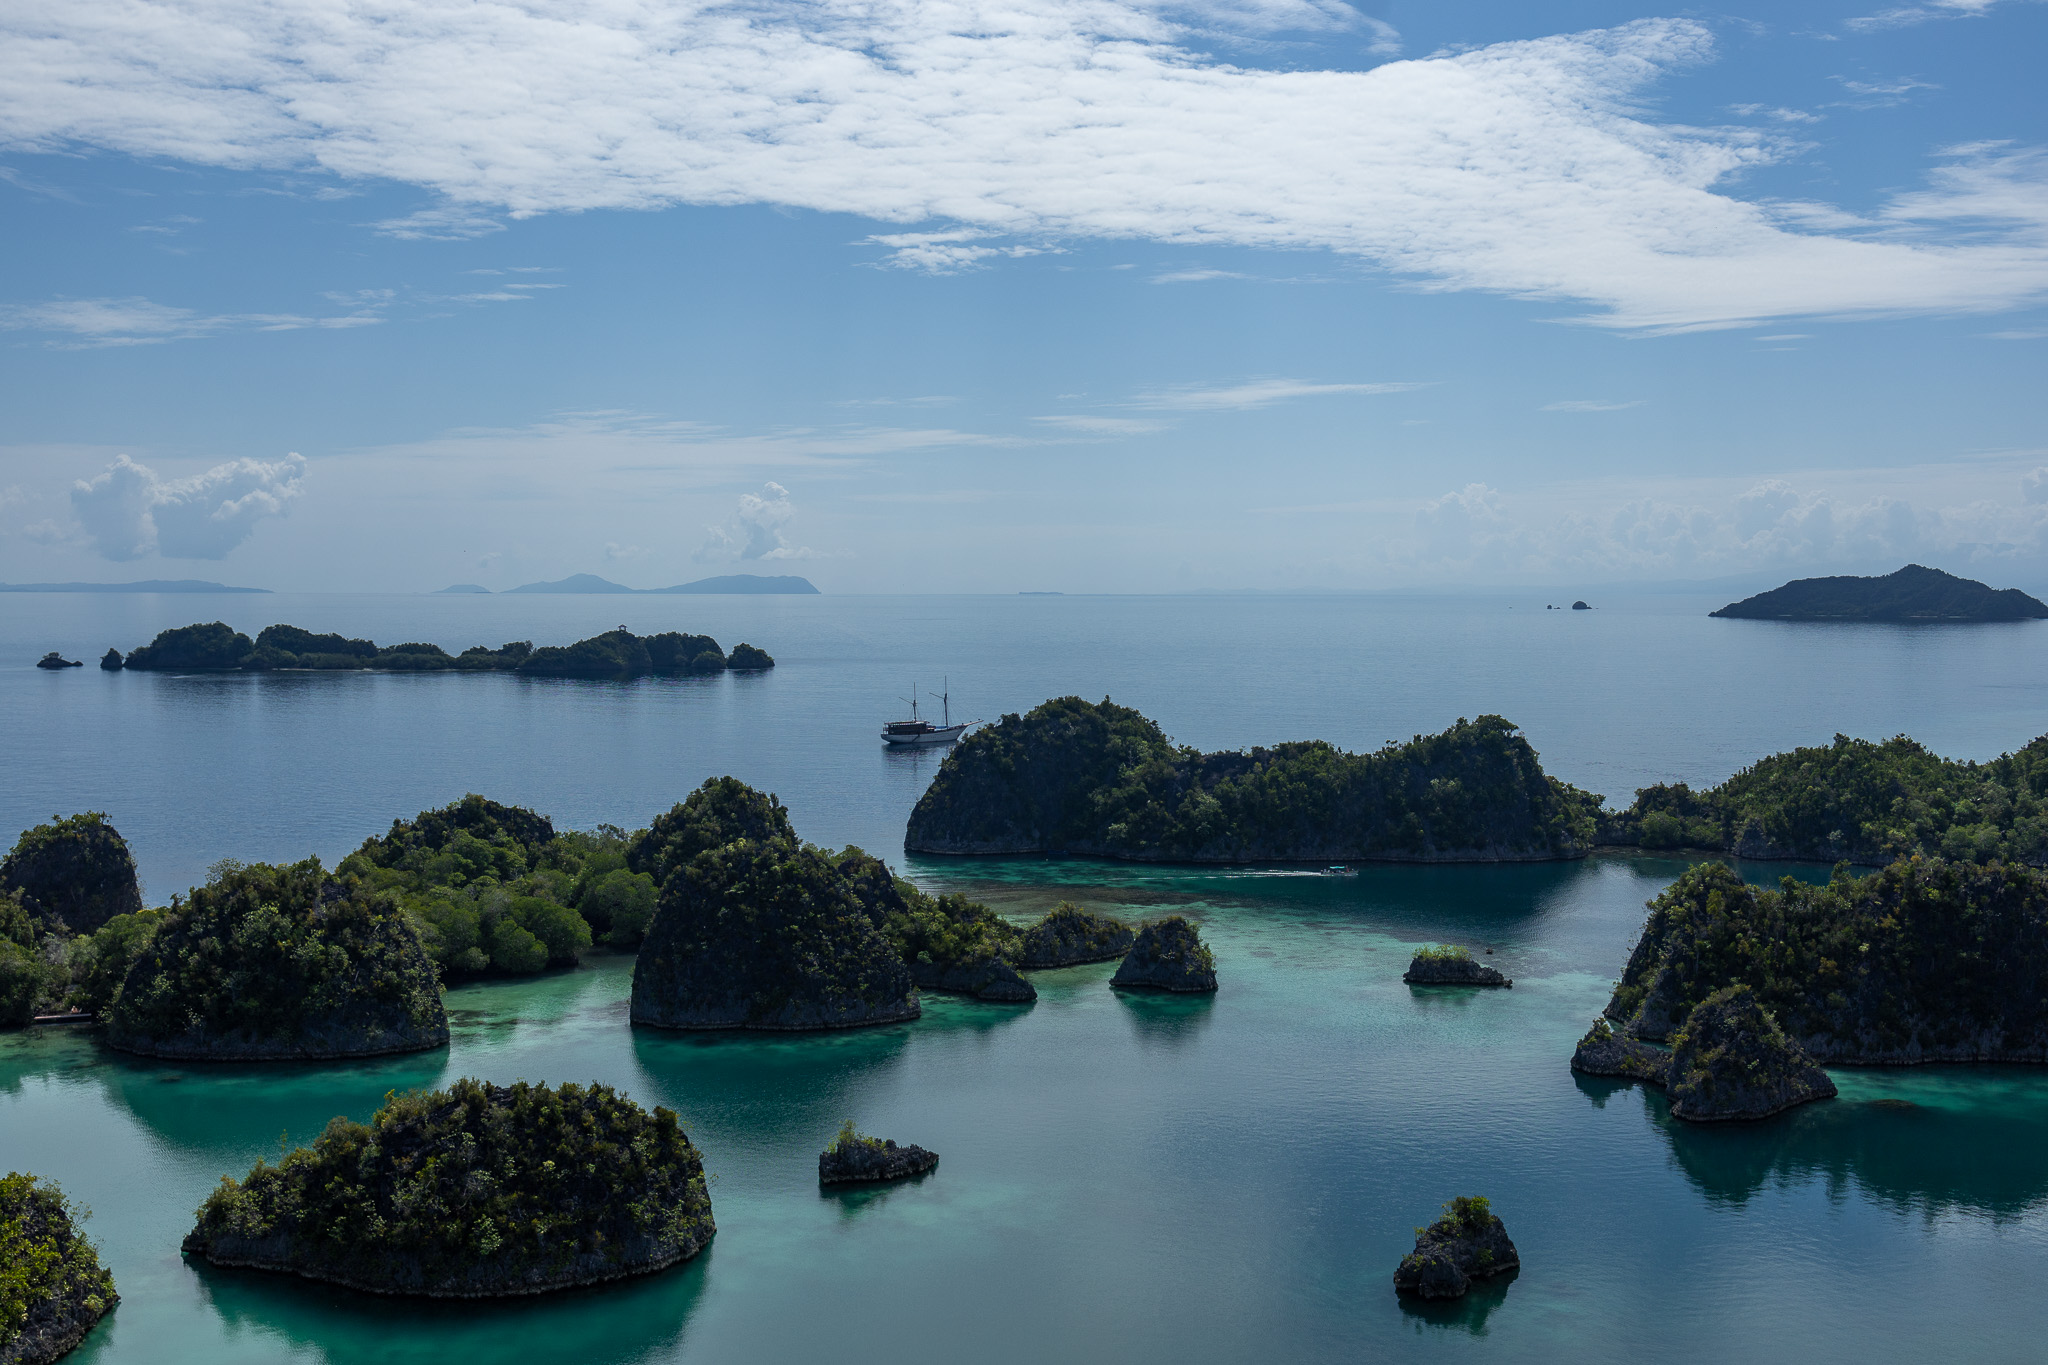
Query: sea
{"type": "Point", "coordinates": [1229, 1178]}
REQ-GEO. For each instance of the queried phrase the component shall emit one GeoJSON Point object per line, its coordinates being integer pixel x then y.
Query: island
{"type": "Point", "coordinates": [156, 585]}
{"type": "Point", "coordinates": [754, 929]}
{"type": "Point", "coordinates": [53, 1288]}
{"type": "Point", "coordinates": [73, 874]}
{"type": "Point", "coordinates": [733, 583]}
{"type": "Point", "coordinates": [1912, 594]}
{"type": "Point", "coordinates": [1603, 1052]}
{"type": "Point", "coordinates": [1168, 955]}
{"type": "Point", "coordinates": [1069, 936]}
{"type": "Point", "coordinates": [461, 590]}
{"type": "Point", "coordinates": [947, 943]}
{"type": "Point", "coordinates": [477, 1191]}
{"type": "Point", "coordinates": [1469, 1242]}
{"type": "Point", "coordinates": [55, 660]}
{"type": "Point", "coordinates": [268, 963]}
{"type": "Point", "coordinates": [1853, 801]}
{"type": "Point", "coordinates": [111, 661]}
{"type": "Point", "coordinates": [1924, 961]}
{"type": "Point", "coordinates": [1447, 964]}
{"type": "Point", "coordinates": [853, 1158]}
{"type": "Point", "coordinates": [1731, 1061]}
{"type": "Point", "coordinates": [1076, 778]}
{"type": "Point", "coordinates": [493, 889]}
{"type": "Point", "coordinates": [616, 654]}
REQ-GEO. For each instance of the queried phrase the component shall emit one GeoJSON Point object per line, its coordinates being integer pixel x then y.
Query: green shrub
{"type": "Point", "coordinates": [45, 1262]}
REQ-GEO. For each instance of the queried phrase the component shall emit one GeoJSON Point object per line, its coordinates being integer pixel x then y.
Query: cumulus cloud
{"type": "Point", "coordinates": [754, 530]}
{"type": "Point", "coordinates": [1529, 168]}
{"type": "Point", "coordinates": [128, 512]}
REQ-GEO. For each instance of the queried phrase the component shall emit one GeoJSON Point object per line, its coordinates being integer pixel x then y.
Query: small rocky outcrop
{"type": "Point", "coordinates": [73, 874]}
{"type": "Point", "coordinates": [111, 660]}
{"type": "Point", "coordinates": [52, 1278]}
{"type": "Point", "coordinates": [1468, 1243]}
{"type": "Point", "coordinates": [1603, 1052]}
{"type": "Point", "coordinates": [745, 658]}
{"type": "Point", "coordinates": [1731, 1061]}
{"type": "Point", "coordinates": [852, 1157]}
{"type": "Point", "coordinates": [1449, 965]}
{"type": "Point", "coordinates": [1069, 936]}
{"type": "Point", "coordinates": [280, 964]}
{"type": "Point", "coordinates": [754, 930]}
{"type": "Point", "coordinates": [55, 660]}
{"type": "Point", "coordinates": [1168, 955]}
{"type": "Point", "coordinates": [1580, 606]}
{"type": "Point", "coordinates": [476, 1191]}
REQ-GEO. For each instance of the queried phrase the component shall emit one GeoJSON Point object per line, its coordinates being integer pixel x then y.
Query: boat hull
{"type": "Point", "coordinates": [941, 734]}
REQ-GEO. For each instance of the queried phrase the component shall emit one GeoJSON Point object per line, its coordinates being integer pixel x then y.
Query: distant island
{"type": "Point", "coordinates": [461, 590]}
{"type": "Point", "coordinates": [217, 647]}
{"type": "Point", "coordinates": [731, 584]}
{"type": "Point", "coordinates": [146, 585]}
{"type": "Point", "coordinates": [1914, 593]}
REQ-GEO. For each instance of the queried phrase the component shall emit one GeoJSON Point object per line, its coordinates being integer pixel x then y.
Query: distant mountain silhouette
{"type": "Point", "coordinates": [725, 583]}
{"type": "Point", "coordinates": [146, 585]}
{"type": "Point", "coordinates": [460, 589]}
{"type": "Point", "coordinates": [1914, 593]}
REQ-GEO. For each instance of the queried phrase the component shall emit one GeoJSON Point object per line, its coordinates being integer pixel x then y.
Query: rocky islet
{"type": "Point", "coordinates": [856, 1159]}
{"type": "Point", "coordinates": [1469, 1242]}
{"type": "Point", "coordinates": [1168, 955]}
{"type": "Point", "coordinates": [1449, 965]}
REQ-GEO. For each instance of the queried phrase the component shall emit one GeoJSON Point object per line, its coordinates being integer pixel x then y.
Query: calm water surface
{"type": "Point", "coordinates": [1225, 1179]}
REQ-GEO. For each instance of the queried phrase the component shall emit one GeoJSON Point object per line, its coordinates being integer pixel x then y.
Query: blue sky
{"type": "Point", "coordinates": [1090, 295]}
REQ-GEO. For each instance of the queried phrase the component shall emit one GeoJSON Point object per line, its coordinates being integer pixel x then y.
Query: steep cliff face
{"type": "Point", "coordinates": [52, 1286]}
{"type": "Point", "coordinates": [1603, 1052]}
{"type": "Point", "coordinates": [757, 932]}
{"type": "Point", "coordinates": [1923, 961]}
{"type": "Point", "coordinates": [1731, 1061]}
{"type": "Point", "coordinates": [280, 964]}
{"type": "Point", "coordinates": [477, 1191]}
{"type": "Point", "coordinates": [1468, 1243]}
{"type": "Point", "coordinates": [1073, 778]}
{"type": "Point", "coordinates": [73, 874]}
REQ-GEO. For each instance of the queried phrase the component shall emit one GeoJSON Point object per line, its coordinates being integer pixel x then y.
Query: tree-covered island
{"type": "Point", "coordinates": [1073, 777]}
{"type": "Point", "coordinates": [217, 647]}
{"type": "Point", "coordinates": [268, 963]}
{"type": "Point", "coordinates": [476, 1191]}
{"type": "Point", "coordinates": [52, 1286]}
{"type": "Point", "coordinates": [1913, 594]}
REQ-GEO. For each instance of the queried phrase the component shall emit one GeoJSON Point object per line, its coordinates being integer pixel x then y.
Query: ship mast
{"type": "Point", "coordinates": [946, 701]}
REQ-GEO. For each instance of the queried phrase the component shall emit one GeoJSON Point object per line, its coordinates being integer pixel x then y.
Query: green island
{"type": "Point", "coordinates": [52, 1286]}
{"type": "Point", "coordinates": [1912, 594]}
{"type": "Point", "coordinates": [495, 889]}
{"type": "Point", "coordinates": [268, 963]}
{"type": "Point", "coordinates": [73, 874]}
{"type": "Point", "coordinates": [1447, 964]}
{"type": "Point", "coordinates": [754, 929]}
{"type": "Point", "coordinates": [217, 647]}
{"type": "Point", "coordinates": [1729, 1061]}
{"type": "Point", "coordinates": [1923, 961]}
{"type": "Point", "coordinates": [1167, 955]}
{"type": "Point", "coordinates": [1073, 777]}
{"type": "Point", "coordinates": [476, 1191]}
{"type": "Point", "coordinates": [1468, 1243]}
{"type": "Point", "coordinates": [854, 1158]}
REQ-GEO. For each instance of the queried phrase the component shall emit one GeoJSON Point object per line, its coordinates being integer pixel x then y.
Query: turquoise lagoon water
{"type": "Point", "coordinates": [1122, 1177]}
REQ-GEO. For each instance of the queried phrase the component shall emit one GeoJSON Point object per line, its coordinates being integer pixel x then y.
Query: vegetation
{"type": "Point", "coordinates": [614, 654]}
{"type": "Point", "coordinates": [1731, 1061]}
{"type": "Point", "coordinates": [855, 1157]}
{"type": "Point", "coordinates": [73, 874]}
{"type": "Point", "coordinates": [754, 929]}
{"type": "Point", "coordinates": [26, 979]}
{"type": "Point", "coordinates": [52, 1286]}
{"type": "Point", "coordinates": [471, 1191]}
{"type": "Point", "coordinates": [492, 888]}
{"type": "Point", "coordinates": [1855, 800]}
{"type": "Point", "coordinates": [270, 962]}
{"type": "Point", "coordinates": [99, 962]}
{"type": "Point", "coordinates": [1069, 935]}
{"type": "Point", "coordinates": [1168, 954]}
{"type": "Point", "coordinates": [1913, 593]}
{"type": "Point", "coordinates": [1443, 952]}
{"type": "Point", "coordinates": [1467, 1243]}
{"type": "Point", "coordinates": [747, 659]}
{"type": "Point", "coordinates": [1926, 960]}
{"type": "Point", "coordinates": [1071, 777]}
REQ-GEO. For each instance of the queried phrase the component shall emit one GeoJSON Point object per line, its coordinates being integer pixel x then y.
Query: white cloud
{"type": "Point", "coordinates": [1194, 276]}
{"type": "Point", "coordinates": [2034, 485]}
{"type": "Point", "coordinates": [754, 531]}
{"type": "Point", "coordinates": [1904, 15]}
{"type": "Point", "coordinates": [88, 323]}
{"type": "Point", "coordinates": [1084, 425]}
{"type": "Point", "coordinates": [1256, 393]}
{"type": "Point", "coordinates": [1592, 405]}
{"type": "Point", "coordinates": [2017, 334]}
{"type": "Point", "coordinates": [1530, 168]}
{"type": "Point", "coordinates": [128, 512]}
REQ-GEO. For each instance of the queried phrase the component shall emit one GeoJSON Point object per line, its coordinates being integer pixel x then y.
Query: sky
{"type": "Point", "coordinates": [1071, 295]}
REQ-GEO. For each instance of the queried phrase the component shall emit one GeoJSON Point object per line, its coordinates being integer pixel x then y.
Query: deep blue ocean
{"type": "Point", "coordinates": [1224, 1179]}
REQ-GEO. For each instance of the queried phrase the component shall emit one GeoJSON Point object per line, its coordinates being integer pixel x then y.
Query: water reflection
{"type": "Point", "coordinates": [1167, 1019]}
{"type": "Point", "coordinates": [1971, 1139]}
{"type": "Point", "coordinates": [857, 1201]}
{"type": "Point", "coordinates": [1467, 1314]}
{"type": "Point", "coordinates": [641, 1318]}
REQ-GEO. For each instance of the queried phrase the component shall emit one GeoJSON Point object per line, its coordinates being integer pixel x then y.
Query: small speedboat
{"type": "Point", "coordinates": [918, 730]}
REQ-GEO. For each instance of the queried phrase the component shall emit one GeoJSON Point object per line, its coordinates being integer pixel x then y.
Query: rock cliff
{"type": "Point", "coordinates": [1069, 936]}
{"type": "Point", "coordinates": [1168, 955]}
{"type": "Point", "coordinates": [852, 1157]}
{"type": "Point", "coordinates": [1446, 965]}
{"type": "Point", "coordinates": [1468, 1243]}
{"type": "Point", "coordinates": [1731, 1061]}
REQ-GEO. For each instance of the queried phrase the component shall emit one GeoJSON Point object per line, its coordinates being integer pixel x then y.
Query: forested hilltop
{"type": "Point", "coordinates": [1913, 594]}
{"type": "Point", "coordinates": [1857, 801]}
{"type": "Point", "coordinates": [1075, 777]}
{"type": "Point", "coordinates": [217, 647]}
